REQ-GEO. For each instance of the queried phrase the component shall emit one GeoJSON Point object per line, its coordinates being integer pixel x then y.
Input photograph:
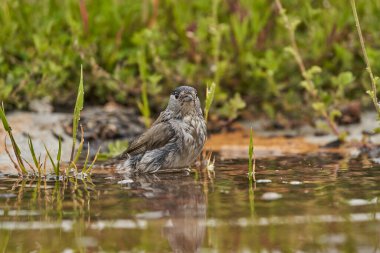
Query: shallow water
{"type": "Point", "coordinates": [321, 203]}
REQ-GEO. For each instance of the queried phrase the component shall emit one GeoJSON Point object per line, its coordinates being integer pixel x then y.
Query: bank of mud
{"type": "Point", "coordinates": [104, 125]}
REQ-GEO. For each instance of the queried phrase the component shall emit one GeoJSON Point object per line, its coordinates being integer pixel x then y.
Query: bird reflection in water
{"type": "Point", "coordinates": [182, 201]}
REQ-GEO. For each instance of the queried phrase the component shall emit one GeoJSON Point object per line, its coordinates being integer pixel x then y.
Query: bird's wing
{"type": "Point", "coordinates": [164, 117]}
{"type": "Point", "coordinates": [155, 137]}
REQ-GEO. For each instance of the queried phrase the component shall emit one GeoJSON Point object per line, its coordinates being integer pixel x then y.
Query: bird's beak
{"type": "Point", "coordinates": [187, 98]}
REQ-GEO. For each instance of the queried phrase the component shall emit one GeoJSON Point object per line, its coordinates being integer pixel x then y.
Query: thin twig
{"type": "Point", "coordinates": [364, 51]}
{"type": "Point", "coordinates": [293, 42]}
{"type": "Point", "coordinates": [30, 166]}
{"type": "Point", "coordinates": [301, 65]}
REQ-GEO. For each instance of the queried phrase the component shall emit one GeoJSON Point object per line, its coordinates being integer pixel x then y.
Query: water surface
{"type": "Point", "coordinates": [320, 203]}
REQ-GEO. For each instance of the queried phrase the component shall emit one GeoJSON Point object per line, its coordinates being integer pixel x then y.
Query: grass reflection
{"type": "Point", "coordinates": [326, 208]}
{"type": "Point", "coordinates": [49, 204]}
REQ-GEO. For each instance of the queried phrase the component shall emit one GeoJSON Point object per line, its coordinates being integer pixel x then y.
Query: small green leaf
{"type": "Point", "coordinates": [315, 69]}
{"type": "Point", "coordinates": [305, 84]}
{"type": "Point", "coordinates": [210, 92]}
{"type": "Point", "coordinates": [114, 148]}
{"type": "Point", "coordinates": [291, 51]}
{"type": "Point", "coordinates": [371, 93]}
{"type": "Point", "coordinates": [310, 73]}
{"type": "Point", "coordinates": [342, 136]}
{"type": "Point", "coordinates": [319, 106]}
{"type": "Point", "coordinates": [153, 87]}
{"type": "Point", "coordinates": [231, 108]}
{"type": "Point", "coordinates": [51, 160]}
{"type": "Point", "coordinates": [334, 114]}
{"type": "Point", "coordinates": [294, 24]}
{"type": "Point", "coordinates": [343, 79]}
{"type": "Point", "coordinates": [346, 78]}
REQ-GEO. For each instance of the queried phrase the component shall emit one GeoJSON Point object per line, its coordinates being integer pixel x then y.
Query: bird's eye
{"type": "Point", "coordinates": [175, 94]}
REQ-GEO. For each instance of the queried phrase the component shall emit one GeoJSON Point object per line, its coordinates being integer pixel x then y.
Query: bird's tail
{"type": "Point", "coordinates": [120, 164]}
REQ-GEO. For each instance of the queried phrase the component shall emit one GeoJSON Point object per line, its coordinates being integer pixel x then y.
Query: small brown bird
{"type": "Point", "coordinates": [173, 142]}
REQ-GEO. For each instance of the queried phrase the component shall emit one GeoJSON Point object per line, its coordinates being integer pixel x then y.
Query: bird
{"type": "Point", "coordinates": [173, 142]}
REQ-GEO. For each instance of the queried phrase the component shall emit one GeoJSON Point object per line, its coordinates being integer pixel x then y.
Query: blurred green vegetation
{"type": "Point", "coordinates": [129, 46]}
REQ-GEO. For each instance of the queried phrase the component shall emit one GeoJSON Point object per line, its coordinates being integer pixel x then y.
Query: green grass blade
{"type": "Point", "coordinates": [93, 162]}
{"type": "Point", "coordinates": [80, 148]}
{"type": "Point", "coordinates": [59, 155]}
{"type": "Point", "coordinates": [51, 160]}
{"type": "Point", "coordinates": [4, 120]}
{"type": "Point", "coordinates": [36, 162]}
{"type": "Point", "coordinates": [250, 152]}
{"type": "Point", "coordinates": [210, 92]}
{"type": "Point", "coordinates": [251, 196]}
{"type": "Point", "coordinates": [79, 152]}
{"type": "Point", "coordinates": [15, 147]}
{"type": "Point", "coordinates": [17, 152]}
{"type": "Point", "coordinates": [77, 109]}
{"type": "Point", "coordinates": [4, 241]}
{"type": "Point", "coordinates": [251, 158]}
{"type": "Point", "coordinates": [87, 156]}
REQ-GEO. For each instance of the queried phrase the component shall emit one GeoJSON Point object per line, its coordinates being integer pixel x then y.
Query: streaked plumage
{"type": "Point", "coordinates": [174, 141]}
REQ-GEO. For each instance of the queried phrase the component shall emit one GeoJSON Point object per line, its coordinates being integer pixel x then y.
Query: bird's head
{"type": "Point", "coordinates": [184, 100]}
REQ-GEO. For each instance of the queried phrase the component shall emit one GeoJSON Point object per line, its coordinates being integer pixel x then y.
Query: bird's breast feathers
{"type": "Point", "coordinates": [193, 129]}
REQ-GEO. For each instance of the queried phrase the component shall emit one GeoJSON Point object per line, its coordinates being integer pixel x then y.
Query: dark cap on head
{"type": "Point", "coordinates": [184, 99]}
{"type": "Point", "coordinates": [183, 89]}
